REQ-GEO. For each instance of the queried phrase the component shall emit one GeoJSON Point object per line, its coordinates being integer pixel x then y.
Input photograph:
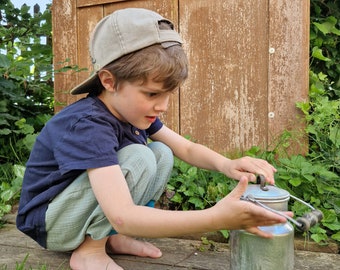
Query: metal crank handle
{"type": "Point", "coordinates": [301, 201]}
{"type": "Point", "coordinates": [253, 200]}
{"type": "Point", "coordinates": [303, 223]}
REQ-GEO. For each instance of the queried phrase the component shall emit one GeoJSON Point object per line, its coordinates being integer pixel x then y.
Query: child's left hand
{"type": "Point", "coordinates": [250, 167]}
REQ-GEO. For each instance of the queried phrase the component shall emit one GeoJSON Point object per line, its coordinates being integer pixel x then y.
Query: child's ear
{"type": "Point", "coordinates": [107, 79]}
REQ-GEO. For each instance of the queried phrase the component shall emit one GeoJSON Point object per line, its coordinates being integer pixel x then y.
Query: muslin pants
{"type": "Point", "coordinates": [75, 212]}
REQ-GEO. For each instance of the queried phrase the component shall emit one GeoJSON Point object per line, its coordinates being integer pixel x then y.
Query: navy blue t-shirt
{"type": "Point", "coordinates": [84, 135]}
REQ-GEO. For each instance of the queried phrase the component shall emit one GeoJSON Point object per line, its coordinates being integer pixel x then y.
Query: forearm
{"type": "Point", "coordinates": [202, 157]}
{"type": "Point", "coordinates": [141, 221]}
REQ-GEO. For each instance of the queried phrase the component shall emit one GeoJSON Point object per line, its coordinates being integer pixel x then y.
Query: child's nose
{"type": "Point", "coordinates": [162, 104]}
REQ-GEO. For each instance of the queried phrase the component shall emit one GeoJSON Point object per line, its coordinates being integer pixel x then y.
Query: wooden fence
{"type": "Point", "coordinates": [248, 65]}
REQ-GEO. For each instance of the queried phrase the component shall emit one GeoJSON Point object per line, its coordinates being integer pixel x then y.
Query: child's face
{"type": "Point", "coordinates": [138, 104]}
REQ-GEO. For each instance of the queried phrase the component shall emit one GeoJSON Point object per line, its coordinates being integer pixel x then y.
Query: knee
{"type": "Point", "coordinates": [137, 157]}
{"type": "Point", "coordinates": [162, 153]}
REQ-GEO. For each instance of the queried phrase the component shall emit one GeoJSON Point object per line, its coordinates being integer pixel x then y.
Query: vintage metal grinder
{"type": "Point", "coordinates": [251, 252]}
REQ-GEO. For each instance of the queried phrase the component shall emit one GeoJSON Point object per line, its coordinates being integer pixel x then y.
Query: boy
{"type": "Point", "coordinates": [92, 176]}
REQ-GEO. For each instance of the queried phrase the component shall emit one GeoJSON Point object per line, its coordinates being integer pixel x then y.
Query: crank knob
{"type": "Point", "coordinates": [304, 224]}
{"type": "Point", "coordinates": [309, 219]}
{"type": "Point", "coordinates": [318, 214]}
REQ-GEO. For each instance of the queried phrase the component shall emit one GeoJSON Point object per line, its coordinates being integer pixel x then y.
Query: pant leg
{"type": "Point", "coordinates": [75, 212]}
{"type": "Point", "coordinates": [146, 174]}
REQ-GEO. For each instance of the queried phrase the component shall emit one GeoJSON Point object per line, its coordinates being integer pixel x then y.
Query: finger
{"type": "Point", "coordinates": [241, 187]}
{"type": "Point", "coordinates": [258, 232]}
{"type": "Point", "coordinates": [240, 174]}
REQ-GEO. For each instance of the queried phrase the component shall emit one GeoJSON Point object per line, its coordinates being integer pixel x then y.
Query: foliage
{"type": "Point", "coordinates": [194, 188]}
{"type": "Point", "coordinates": [325, 44]}
{"type": "Point", "coordinates": [26, 92]}
{"type": "Point", "coordinates": [323, 110]}
{"type": "Point", "coordinates": [313, 183]}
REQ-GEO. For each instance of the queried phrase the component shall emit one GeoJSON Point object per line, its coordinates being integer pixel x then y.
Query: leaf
{"type": "Point", "coordinates": [197, 202]}
{"type": "Point", "coordinates": [29, 141]}
{"type": "Point", "coordinates": [334, 135]}
{"type": "Point", "coordinates": [192, 171]}
{"type": "Point", "coordinates": [325, 27]}
{"type": "Point", "coordinates": [319, 237]}
{"type": "Point", "coordinates": [177, 198]}
{"type": "Point", "coordinates": [332, 226]}
{"type": "Point", "coordinates": [336, 236]}
{"type": "Point", "coordinates": [5, 131]}
{"type": "Point", "coordinates": [19, 170]}
{"type": "Point", "coordinates": [4, 61]}
{"type": "Point", "coordinates": [225, 233]}
{"type": "Point", "coordinates": [329, 26]}
{"type": "Point", "coordinates": [295, 182]}
{"type": "Point", "coordinates": [317, 53]}
{"type": "Point", "coordinates": [4, 209]}
{"type": "Point", "coordinates": [7, 195]}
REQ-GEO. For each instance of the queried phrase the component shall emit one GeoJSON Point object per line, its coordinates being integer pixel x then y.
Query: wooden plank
{"type": "Point", "coordinates": [64, 47]}
{"type": "Point", "coordinates": [87, 18]}
{"type": "Point", "coordinates": [90, 3]}
{"type": "Point", "coordinates": [288, 68]}
{"type": "Point", "coordinates": [177, 254]}
{"type": "Point", "coordinates": [223, 104]}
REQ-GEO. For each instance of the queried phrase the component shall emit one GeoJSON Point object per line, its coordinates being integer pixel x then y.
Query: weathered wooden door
{"type": "Point", "coordinates": [248, 64]}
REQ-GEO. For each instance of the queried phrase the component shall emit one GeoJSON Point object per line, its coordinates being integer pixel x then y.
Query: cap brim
{"type": "Point", "coordinates": [86, 86]}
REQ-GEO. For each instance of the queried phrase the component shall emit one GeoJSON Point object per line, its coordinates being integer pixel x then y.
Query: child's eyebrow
{"type": "Point", "coordinates": [154, 89]}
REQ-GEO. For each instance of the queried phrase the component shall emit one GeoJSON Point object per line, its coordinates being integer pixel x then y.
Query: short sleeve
{"type": "Point", "coordinates": [90, 143]}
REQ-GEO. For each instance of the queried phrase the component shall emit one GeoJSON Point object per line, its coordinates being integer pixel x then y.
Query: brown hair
{"type": "Point", "coordinates": [165, 65]}
{"type": "Point", "coordinates": [162, 65]}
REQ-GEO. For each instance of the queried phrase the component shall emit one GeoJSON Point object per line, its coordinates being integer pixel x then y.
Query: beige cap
{"type": "Point", "coordinates": [122, 32]}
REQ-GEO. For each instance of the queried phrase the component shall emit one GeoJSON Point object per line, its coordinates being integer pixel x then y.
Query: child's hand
{"type": "Point", "coordinates": [237, 214]}
{"type": "Point", "coordinates": [250, 167]}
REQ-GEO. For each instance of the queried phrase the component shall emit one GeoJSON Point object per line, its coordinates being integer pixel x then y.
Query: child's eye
{"type": "Point", "coordinates": [152, 94]}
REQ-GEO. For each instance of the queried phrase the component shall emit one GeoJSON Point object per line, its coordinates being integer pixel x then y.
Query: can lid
{"type": "Point", "coordinates": [272, 193]}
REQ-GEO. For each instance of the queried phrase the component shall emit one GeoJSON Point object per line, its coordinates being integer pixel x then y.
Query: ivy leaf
{"type": "Point", "coordinates": [317, 53]}
{"type": "Point", "coordinates": [328, 26]}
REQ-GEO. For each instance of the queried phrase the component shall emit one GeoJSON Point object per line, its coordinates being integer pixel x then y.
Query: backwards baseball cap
{"type": "Point", "coordinates": [123, 32]}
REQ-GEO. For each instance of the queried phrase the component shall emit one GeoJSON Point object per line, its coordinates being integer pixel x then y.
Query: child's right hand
{"type": "Point", "coordinates": [233, 213]}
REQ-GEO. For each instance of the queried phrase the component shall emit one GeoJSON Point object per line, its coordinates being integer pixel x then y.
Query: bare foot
{"type": "Point", "coordinates": [121, 244]}
{"type": "Point", "coordinates": [91, 254]}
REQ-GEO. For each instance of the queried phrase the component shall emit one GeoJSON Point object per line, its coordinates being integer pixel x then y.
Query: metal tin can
{"type": "Point", "coordinates": [251, 252]}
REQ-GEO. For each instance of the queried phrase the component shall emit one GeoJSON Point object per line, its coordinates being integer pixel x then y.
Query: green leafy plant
{"type": "Point", "coordinates": [325, 43]}
{"type": "Point", "coordinates": [315, 184]}
{"type": "Point", "coordinates": [26, 92]}
{"type": "Point", "coordinates": [193, 188]}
